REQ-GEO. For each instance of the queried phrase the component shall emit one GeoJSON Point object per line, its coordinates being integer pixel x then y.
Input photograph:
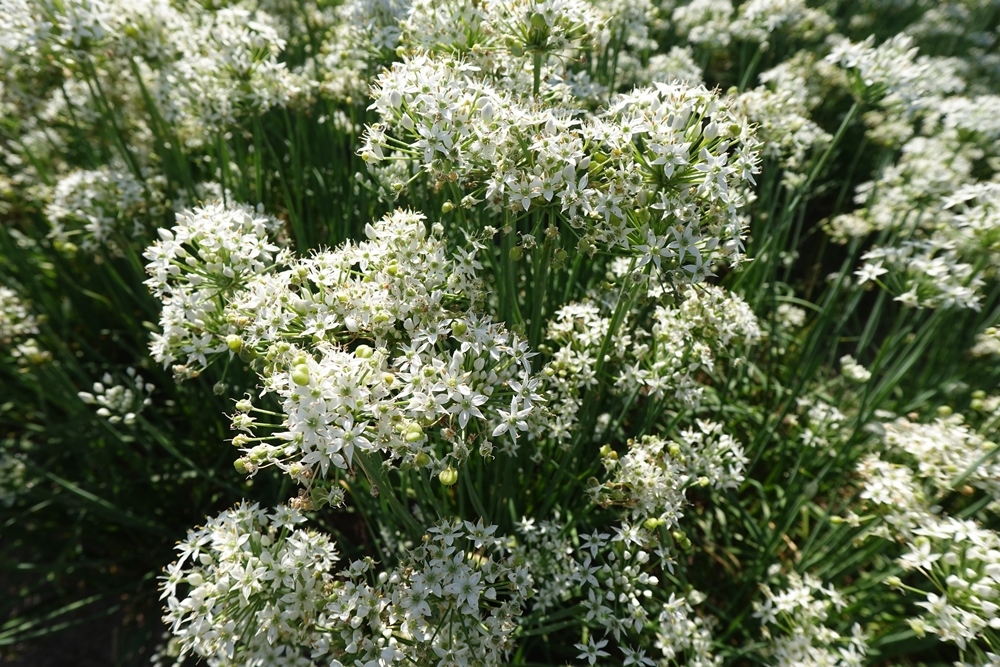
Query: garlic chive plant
{"type": "Point", "coordinates": [500, 332]}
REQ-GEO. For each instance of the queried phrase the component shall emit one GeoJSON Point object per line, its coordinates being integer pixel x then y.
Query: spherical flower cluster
{"type": "Point", "coordinates": [925, 274]}
{"type": "Point", "coordinates": [119, 403]}
{"type": "Point", "coordinates": [527, 45]}
{"type": "Point", "coordinates": [756, 20]}
{"type": "Point", "coordinates": [256, 587]}
{"type": "Point", "coordinates": [853, 371]}
{"type": "Point", "coordinates": [652, 477]}
{"type": "Point", "coordinates": [195, 267]}
{"type": "Point", "coordinates": [783, 127]}
{"type": "Point", "coordinates": [694, 326]}
{"type": "Point", "coordinates": [796, 622]}
{"type": "Point", "coordinates": [261, 591]}
{"type": "Point", "coordinates": [890, 73]}
{"type": "Point", "coordinates": [660, 175]}
{"type": "Point", "coordinates": [203, 67]}
{"type": "Point", "coordinates": [944, 451]}
{"type": "Point", "coordinates": [704, 321]}
{"type": "Point", "coordinates": [90, 206]}
{"type": "Point", "coordinates": [706, 23]}
{"type": "Point", "coordinates": [962, 559]}
{"type": "Point", "coordinates": [16, 320]}
{"type": "Point", "coordinates": [370, 347]}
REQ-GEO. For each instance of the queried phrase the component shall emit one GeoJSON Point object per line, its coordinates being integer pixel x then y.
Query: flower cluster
{"type": "Point", "coordinates": [667, 357]}
{"type": "Point", "coordinates": [90, 206]}
{"type": "Point", "coordinates": [369, 347]}
{"type": "Point", "coordinates": [797, 620]}
{"type": "Point", "coordinates": [262, 591]}
{"type": "Point", "coordinates": [926, 274]}
{"type": "Point", "coordinates": [660, 175]}
{"type": "Point", "coordinates": [651, 479]}
{"type": "Point", "coordinates": [209, 254]}
{"type": "Point", "coordinates": [16, 320]}
{"type": "Point", "coordinates": [962, 559]}
{"type": "Point", "coordinates": [119, 403]}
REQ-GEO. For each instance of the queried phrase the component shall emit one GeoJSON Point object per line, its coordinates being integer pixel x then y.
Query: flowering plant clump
{"type": "Point", "coordinates": [500, 332]}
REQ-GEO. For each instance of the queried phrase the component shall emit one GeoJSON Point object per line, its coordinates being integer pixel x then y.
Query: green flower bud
{"type": "Point", "coordinates": [241, 466]}
{"type": "Point", "coordinates": [458, 327]}
{"type": "Point", "coordinates": [944, 411]}
{"type": "Point", "coordinates": [447, 207]}
{"type": "Point", "coordinates": [234, 343]}
{"type": "Point", "coordinates": [448, 476]}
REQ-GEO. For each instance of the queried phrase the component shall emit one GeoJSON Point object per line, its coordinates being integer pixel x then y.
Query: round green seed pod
{"type": "Point", "coordinates": [448, 476]}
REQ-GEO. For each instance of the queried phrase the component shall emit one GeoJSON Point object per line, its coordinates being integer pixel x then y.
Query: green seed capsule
{"type": "Point", "coordinates": [458, 328]}
{"type": "Point", "coordinates": [241, 466]}
{"type": "Point", "coordinates": [363, 352]}
{"type": "Point", "coordinates": [234, 343]}
{"type": "Point", "coordinates": [538, 20]}
{"type": "Point", "coordinates": [300, 375]}
{"type": "Point", "coordinates": [516, 253]}
{"type": "Point", "coordinates": [422, 459]}
{"type": "Point", "coordinates": [414, 433]}
{"type": "Point", "coordinates": [448, 476]}
{"type": "Point", "coordinates": [653, 523]}
{"type": "Point", "coordinates": [447, 207]}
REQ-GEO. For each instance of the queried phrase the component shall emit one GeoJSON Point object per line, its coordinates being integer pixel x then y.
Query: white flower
{"type": "Point", "coordinates": [591, 651]}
